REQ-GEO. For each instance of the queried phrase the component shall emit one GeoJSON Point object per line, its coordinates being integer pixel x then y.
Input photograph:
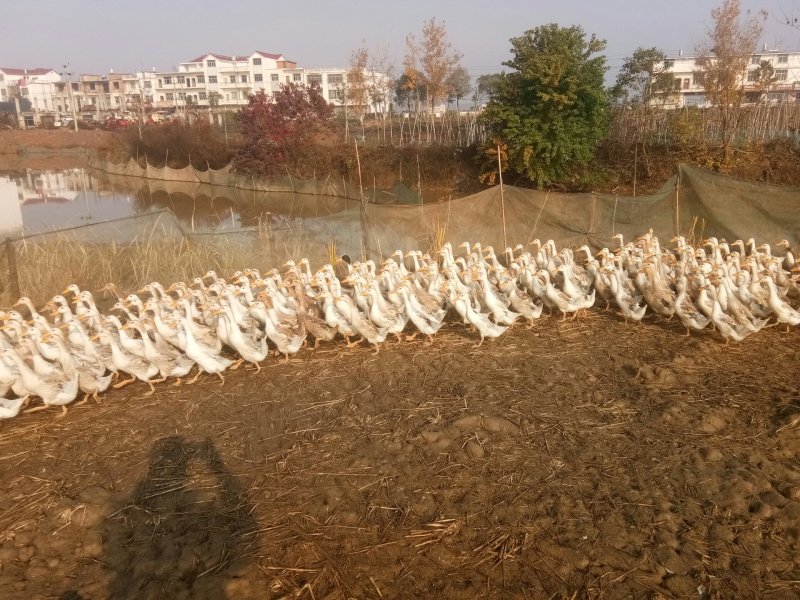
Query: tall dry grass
{"type": "Point", "coordinates": [47, 264]}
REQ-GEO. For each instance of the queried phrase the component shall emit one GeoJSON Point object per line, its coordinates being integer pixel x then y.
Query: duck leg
{"type": "Point", "coordinates": [195, 378]}
{"type": "Point", "coordinates": [96, 398]}
{"type": "Point", "coordinates": [356, 343]}
{"type": "Point", "coordinates": [222, 379]}
{"type": "Point", "coordinates": [63, 412]}
{"type": "Point", "coordinates": [122, 384]}
{"type": "Point", "coordinates": [178, 382]}
{"type": "Point", "coordinates": [412, 337]}
{"type": "Point", "coordinates": [152, 389]}
{"type": "Point", "coordinates": [236, 364]}
{"type": "Point", "coordinates": [83, 401]}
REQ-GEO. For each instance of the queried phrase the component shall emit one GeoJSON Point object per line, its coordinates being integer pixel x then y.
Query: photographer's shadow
{"type": "Point", "coordinates": [184, 532]}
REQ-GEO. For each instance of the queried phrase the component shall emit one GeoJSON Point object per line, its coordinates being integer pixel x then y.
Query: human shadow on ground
{"type": "Point", "coordinates": [186, 530]}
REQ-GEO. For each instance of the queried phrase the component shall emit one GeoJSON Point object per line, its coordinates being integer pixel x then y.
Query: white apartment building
{"type": "Point", "coordinates": [208, 81]}
{"type": "Point", "coordinates": [34, 85]}
{"type": "Point", "coordinates": [227, 81]}
{"type": "Point", "coordinates": [689, 89]}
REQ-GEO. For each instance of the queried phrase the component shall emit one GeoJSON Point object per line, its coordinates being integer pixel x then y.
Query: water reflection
{"type": "Point", "coordinates": [67, 198]}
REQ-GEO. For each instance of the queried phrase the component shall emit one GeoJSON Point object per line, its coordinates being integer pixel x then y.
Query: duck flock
{"type": "Point", "coordinates": [69, 347]}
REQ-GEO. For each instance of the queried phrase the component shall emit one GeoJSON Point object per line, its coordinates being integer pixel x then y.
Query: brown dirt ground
{"type": "Point", "coordinates": [588, 458]}
{"type": "Point", "coordinates": [50, 148]}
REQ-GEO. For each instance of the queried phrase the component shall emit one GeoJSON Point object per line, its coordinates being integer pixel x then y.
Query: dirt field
{"type": "Point", "coordinates": [580, 459]}
{"type": "Point", "coordinates": [50, 148]}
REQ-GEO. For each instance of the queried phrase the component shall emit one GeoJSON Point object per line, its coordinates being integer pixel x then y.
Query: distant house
{"type": "Point", "coordinates": [35, 85]}
{"type": "Point", "coordinates": [689, 90]}
{"type": "Point", "coordinates": [227, 81]}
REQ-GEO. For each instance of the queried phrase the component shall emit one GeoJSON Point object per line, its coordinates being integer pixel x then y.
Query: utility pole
{"type": "Point", "coordinates": [70, 95]}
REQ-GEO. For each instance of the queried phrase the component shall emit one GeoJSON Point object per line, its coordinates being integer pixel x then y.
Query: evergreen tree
{"type": "Point", "coordinates": [551, 110]}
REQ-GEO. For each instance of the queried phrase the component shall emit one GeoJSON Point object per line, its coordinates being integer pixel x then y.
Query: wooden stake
{"type": "Point", "coordinates": [502, 197]}
{"type": "Point", "coordinates": [13, 274]}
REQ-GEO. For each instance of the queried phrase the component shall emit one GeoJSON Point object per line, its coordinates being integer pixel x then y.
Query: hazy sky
{"type": "Point", "coordinates": [97, 35]}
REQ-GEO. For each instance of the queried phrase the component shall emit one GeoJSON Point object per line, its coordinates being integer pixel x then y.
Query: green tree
{"type": "Point", "coordinates": [643, 78]}
{"type": "Point", "coordinates": [551, 110]}
{"type": "Point", "coordinates": [459, 85]}
{"type": "Point", "coordinates": [486, 86]}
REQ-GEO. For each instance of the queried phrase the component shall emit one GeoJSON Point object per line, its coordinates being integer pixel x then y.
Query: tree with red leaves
{"type": "Point", "coordinates": [277, 130]}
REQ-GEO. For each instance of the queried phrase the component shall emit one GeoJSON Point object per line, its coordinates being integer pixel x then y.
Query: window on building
{"type": "Point", "coordinates": [287, 79]}
{"type": "Point", "coordinates": [698, 78]}
{"type": "Point", "coordinates": [148, 85]}
{"type": "Point", "coordinates": [244, 78]}
{"type": "Point", "coordinates": [274, 77]}
{"type": "Point", "coordinates": [781, 74]}
{"type": "Point", "coordinates": [314, 78]}
{"type": "Point", "coordinates": [686, 83]}
{"type": "Point", "coordinates": [23, 91]}
{"type": "Point", "coordinates": [335, 79]}
{"type": "Point", "coordinates": [256, 61]}
{"type": "Point", "coordinates": [3, 94]}
{"type": "Point", "coordinates": [170, 96]}
{"type": "Point", "coordinates": [232, 78]}
{"type": "Point", "coordinates": [783, 59]}
{"type": "Point", "coordinates": [755, 59]}
{"type": "Point", "coordinates": [116, 85]}
{"type": "Point", "coordinates": [335, 94]}
{"type": "Point", "coordinates": [202, 95]}
{"type": "Point", "coordinates": [298, 77]}
{"type": "Point", "coordinates": [2, 77]}
{"type": "Point", "coordinates": [211, 63]}
{"type": "Point", "coordinates": [181, 96]}
{"type": "Point", "coordinates": [167, 80]}
{"type": "Point", "coordinates": [234, 95]}
{"type": "Point", "coordinates": [105, 87]}
{"type": "Point", "coordinates": [161, 98]}
{"type": "Point", "coordinates": [752, 76]}
{"type": "Point", "coordinates": [258, 77]}
{"type": "Point", "coordinates": [201, 79]}
{"type": "Point", "coordinates": [116, 99]}
{"type": "Point", "coordinates": [669, 63]}
{"type": "Point", "coordinates": [74, 87]}
{"type": "Point", "coordinates": [92, 86]}
{"type": "Point", "coordinates": [181, 79]}
{"type": "Point", "coordinates": [212, 79]}
{"type": "Point", "coordinates": [160, 83]}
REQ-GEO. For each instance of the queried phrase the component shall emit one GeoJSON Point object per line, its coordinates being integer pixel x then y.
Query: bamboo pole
{"type": "Point", "coordinates": [13, 273]}
{"type": "Point", "coordinates": [502, 197]}
{"type": "Point", "coordinates": [364, 226]}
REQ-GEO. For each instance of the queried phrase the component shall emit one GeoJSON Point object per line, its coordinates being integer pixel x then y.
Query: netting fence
{"type": "Point", "coordinates": [158, 246]}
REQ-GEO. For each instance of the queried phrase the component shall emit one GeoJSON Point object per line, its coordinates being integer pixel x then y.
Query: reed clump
{"type": "Point", "coordinates": [47, 264]}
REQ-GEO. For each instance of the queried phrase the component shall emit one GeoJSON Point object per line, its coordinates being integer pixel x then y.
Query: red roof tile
{"type": "Point", "coordinates": [270, 55]}
{"type": "Point", "coordinates": [202, 57]}
{"type": "Point", "coordinates": [23, 72]}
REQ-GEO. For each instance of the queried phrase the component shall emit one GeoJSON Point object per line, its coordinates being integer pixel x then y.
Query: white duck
{"type": "Point", "coordinates": [55, 389]}
{"type": "Point", "coordinates": [478, 320]}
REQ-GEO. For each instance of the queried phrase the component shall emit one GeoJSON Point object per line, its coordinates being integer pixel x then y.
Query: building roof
{"type": "Point", "coordinates": [270, 55]}
{"type": "Point", "coordinates": [202, 57]}
{"type": "Point", "coordinates": [24, 72]}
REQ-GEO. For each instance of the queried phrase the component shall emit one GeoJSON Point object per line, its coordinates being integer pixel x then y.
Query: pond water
{"type": "Point", "coordinates": [61, 199]}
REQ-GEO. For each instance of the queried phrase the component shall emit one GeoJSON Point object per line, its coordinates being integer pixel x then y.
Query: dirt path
{"type": "Point", "coordinates": [578, 459]}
